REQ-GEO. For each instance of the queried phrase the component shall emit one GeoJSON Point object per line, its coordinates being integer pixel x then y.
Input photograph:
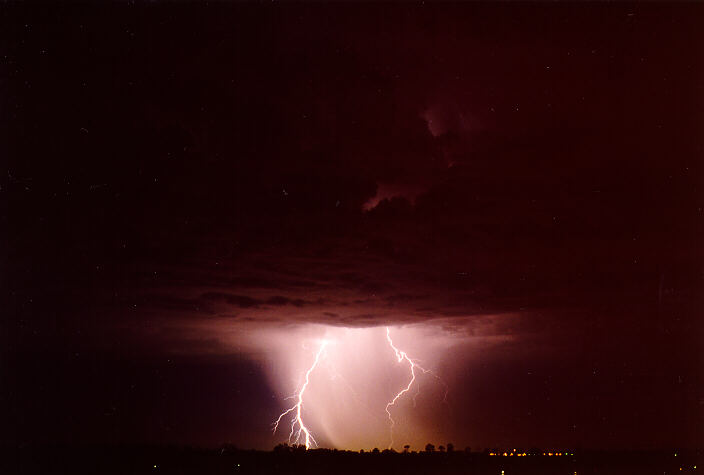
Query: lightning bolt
{"type": "Point", "coordinates": [400, 357]}
{"type": "Point", "coordinates": [298, 407]}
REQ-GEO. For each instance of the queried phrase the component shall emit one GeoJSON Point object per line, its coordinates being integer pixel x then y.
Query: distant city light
{"type": "Point", "coordinates": [513, 452]}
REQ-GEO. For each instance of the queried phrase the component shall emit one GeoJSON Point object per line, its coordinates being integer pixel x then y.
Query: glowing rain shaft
{"type": "Point", "coordinates": [298, 419]}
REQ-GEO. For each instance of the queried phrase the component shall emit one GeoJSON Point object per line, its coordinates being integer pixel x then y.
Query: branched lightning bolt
{"type": "Point", "coordinates": [401, 356]}
{"type": "Point", "coordinates": [298, 419]}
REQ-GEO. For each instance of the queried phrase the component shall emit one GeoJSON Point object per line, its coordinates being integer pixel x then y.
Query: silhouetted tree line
{"type": "Point", "coordinates": [429, 448]}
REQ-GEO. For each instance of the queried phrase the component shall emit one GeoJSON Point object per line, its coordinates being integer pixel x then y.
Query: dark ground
{"type": "Point", "coordinates": [173, 460]}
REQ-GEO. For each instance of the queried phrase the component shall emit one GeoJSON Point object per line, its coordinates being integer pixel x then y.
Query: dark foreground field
{"type": "Point", "coordinates": [175, 460]}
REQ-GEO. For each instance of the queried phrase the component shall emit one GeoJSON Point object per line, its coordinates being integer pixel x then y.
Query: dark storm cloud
{"type": "Point", "coordinates": [528, 176]}
{"type": "Point", "coordinates": [501, 197]}
{"type": "Point", "coordinates": [231, 299]}
{"type": "Point", "coordinates": [217, 302]}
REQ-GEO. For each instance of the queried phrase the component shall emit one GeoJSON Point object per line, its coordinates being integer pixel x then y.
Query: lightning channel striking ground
{"type": "Point", "coordinates": [401, 356]}
{"type": "Point", "coordinates": [298, 407]}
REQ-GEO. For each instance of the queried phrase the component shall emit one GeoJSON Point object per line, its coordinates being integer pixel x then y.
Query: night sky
{"type": "Point", "coordinates": [187, 193]}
